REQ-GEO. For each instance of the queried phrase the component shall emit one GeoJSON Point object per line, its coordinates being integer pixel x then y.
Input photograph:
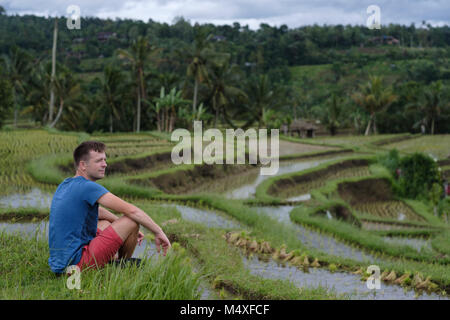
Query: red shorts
{"type": "Point", "coordinates": [101, 249]}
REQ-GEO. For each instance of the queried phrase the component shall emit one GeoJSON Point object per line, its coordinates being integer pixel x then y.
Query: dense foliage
{"type": "Point", "coordinates": [109, 75]}
{"type": "Point", "coordinates": [416, 175]}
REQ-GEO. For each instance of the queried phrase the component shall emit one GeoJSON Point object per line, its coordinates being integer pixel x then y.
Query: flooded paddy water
{"type": "Point", "coordinates": [36, 198]}
{"type": "Point", "coordinates": [315, 240]}
{"type": "Point", "coordinates": [28, 229]}
{"type": "Point", "coordinates": [347, 284]}
{"type": "Point", "coordinates": [416, 243]}
{"type": "Point", "coordinates": [208, 218]}
{"type": "Point", "coordinates": [248, 190]}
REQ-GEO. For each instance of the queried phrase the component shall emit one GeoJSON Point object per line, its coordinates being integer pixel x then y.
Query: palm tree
{"type": "Point", "coordinates": [112, 92]}
{"type": "Point", "coordinates": [38, 91]}
{"type": "Point", "coordinates": [374, 98]}
{"type": "Point", "coordinates": [430, 104]}
{"type": "Point", "coordinates": [17, 67]}
{"type": "Point", "coordinates": [261, 96]}
{"type": "Point", "coordinates": [199, 54]}
{"type": "Point", "coordinates": [66, 91]}
{"type": "Point", "coordinates": [6, 99]}
{"type": "Point", "coordinates": [331, 119]}
{"type": "Point", "coordinates": [138, 56]}
{"type": "Point", "coordinates": [221, 75]}
{"type": "Point", "coordinates": [52, 83]}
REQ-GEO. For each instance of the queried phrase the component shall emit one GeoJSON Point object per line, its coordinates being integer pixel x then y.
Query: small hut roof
{"type": "Point", "coordinates": [300, 124]}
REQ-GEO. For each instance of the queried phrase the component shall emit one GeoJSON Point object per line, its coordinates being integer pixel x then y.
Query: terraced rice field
{"type": "Point", "coordinates": [204, 207]}
{"type": "Point", "coordinates": [386, 226]}
{"type": "Point", "coordinates": [305, 187]}
{"type": "Point", "coordinates": [17, 148]}
{"type": "Point", "coordinates": [437, 146]}
{"type": "Point", "coordinates": [396, 210]}
{"type": "Point", "coordinates": [351, 141]}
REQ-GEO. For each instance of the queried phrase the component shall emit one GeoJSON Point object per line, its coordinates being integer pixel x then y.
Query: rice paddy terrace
{"type": "Point", "coordinates": [308, 232]}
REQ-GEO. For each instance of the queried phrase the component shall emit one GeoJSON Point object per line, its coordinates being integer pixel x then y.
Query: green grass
{"type": "Point", "coordinates": [26, 275]}
{"type": "Point", "coordinates": [436, 145]}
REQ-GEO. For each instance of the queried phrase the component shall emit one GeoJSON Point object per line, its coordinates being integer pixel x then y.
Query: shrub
{"type": "Point", "coordinates": [418, 174]}
{"type": "Point", "coordinates": [391, 161]}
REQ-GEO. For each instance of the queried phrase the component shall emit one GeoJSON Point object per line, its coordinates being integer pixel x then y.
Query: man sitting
{"type": "Point", "coordinates": [84, 234]}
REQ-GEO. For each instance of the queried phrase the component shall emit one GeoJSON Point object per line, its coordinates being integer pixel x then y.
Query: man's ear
{"type": "Point", "coordinates": [82, 165]}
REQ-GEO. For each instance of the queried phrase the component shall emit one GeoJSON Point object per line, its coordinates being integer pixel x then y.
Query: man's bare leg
{"type": "Point", "coordinates": [126, 251]}
{"type": "Point", "coordinates": [128, 231]}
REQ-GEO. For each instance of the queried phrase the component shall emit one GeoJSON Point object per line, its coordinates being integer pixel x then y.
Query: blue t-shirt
{"type": "Point", "coordinates": [73, 221]}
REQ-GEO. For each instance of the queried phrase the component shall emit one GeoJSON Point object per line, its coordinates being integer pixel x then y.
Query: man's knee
{"type": "Point", "coordinates": [125, 226]}
{"type": "Point", "coordinates": [103, 224]}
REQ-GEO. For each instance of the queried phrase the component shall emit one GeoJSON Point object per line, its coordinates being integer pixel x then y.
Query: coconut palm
{"type": "Point", "coordinates": [111, 93]}
{"type": "Point", "coordinates": [139, 54]}
{"type": "Point", "coordinates": [53, 75]}
{"type": "Point", "coordinates": [331, 117]}
{"type": "Point", "coordinates": [17, 69]}
{"type": "Point", "coordinates": [6, 98]}
{"type": "Point", "coordinates": [38, 93]}
{"type": "Point", "coordinates": [430, 105]}
{"type": "Point", "coordinates": [221, 77]}
{"type": "Point", "coordinates": [374, 98]}
{"type": "Point", "coordinates": [67, 89]}
{"type": "Point", "coordinates": [199, 55]}
{"type": "Point", "coordinates": [261, 96]}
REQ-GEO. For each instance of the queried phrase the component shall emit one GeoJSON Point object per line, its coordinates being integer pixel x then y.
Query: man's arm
{"type": "Point", "coordinates": [104, 214]}
{"type": "Point", "coordinates": [113, 202]}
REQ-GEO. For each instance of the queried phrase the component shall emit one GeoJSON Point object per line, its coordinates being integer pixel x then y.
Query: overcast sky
{"type": "Point", "coordinates": [293, 13]}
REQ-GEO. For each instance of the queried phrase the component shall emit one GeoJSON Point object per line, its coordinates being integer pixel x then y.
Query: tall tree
{"type": "Point", "coordinates": [139, 54]}
{"type": "Point", "coordinates": [261, 96]}
{"type": "Point", "coordinates": [67, 89]}
{"type": "Point", "coordinates": [38, 91]}
{"type": "Point", "coordinates": [374, 98]}
{"type": "Point", "coordinates": [430, 104]}
{"type": "Point", "coordinates": [199, 55]}
{"type": "Point", "coordinates": [221, 85]}
{"type": "Point", "coordinates": [17, 67]}
{"type": "Point", "coordinates": [332, 114]}
{"type": "Point", "coordinates": [6, 98]}
{"type": "Point", "coordinates": [52, 82]}
{"type": "Point", "coordinates": [112, 93]}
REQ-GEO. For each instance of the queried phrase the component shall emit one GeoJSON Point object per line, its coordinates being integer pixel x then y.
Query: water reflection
{"type": "Point", "coordinates": [248, 190]}
{"type": "Point", "coordinates": [36, 198]}
{"type": "Point", "coordinates": [315, 240]}
{"type": "Point", "coordinates": [341, 282]}
{"type": "Point", "coordinates": [418, 244]}
{"type": "Point", "coordinates": [209, 218]}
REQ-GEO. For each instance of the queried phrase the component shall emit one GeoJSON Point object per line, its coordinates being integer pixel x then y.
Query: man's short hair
{"type": "Point", "coordinates": [82, 151]}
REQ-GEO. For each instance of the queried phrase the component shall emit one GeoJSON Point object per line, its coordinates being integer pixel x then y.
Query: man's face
{"type": "Point", "coordinates": [95, 166]}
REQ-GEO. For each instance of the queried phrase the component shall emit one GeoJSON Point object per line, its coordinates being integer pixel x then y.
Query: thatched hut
{"type": "Point", "coordinates": [300, 127]}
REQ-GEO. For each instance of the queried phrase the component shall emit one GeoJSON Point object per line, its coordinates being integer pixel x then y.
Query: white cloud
{"type": "Point", "coordinates": [293, 13]}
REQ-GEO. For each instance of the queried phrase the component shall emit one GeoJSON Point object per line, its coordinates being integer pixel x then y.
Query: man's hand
{"type": "Point", "coordinates": [161, 240]}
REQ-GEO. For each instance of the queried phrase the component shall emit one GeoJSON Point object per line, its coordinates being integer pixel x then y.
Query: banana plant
{"type": "Point", "coordinates": [166, 108]}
